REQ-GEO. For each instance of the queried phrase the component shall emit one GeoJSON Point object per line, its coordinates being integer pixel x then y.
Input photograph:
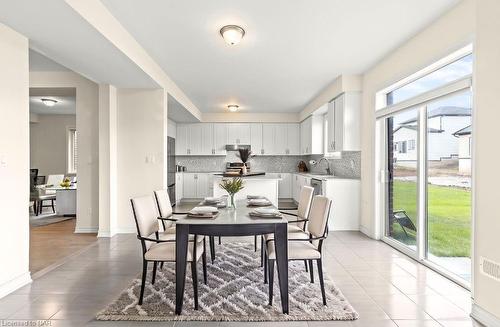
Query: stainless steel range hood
{"type": "Point", "coordinates": [236, 147]}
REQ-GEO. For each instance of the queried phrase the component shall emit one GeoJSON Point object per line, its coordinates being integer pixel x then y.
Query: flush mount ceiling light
{"type": "Point", "coordinates": [49, 102]}
{"type": "Point", "coordinates": [232, 34]}
{"type": "Point", "coordinates": [233, 107]}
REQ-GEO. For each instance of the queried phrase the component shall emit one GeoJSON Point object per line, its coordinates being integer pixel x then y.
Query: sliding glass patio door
{"type": "Point", "coordinates": [448, 183]}
{"type": "Point", "coordinates": [402, 186]}
{"type": "Point", "coordinates": [428, 190]}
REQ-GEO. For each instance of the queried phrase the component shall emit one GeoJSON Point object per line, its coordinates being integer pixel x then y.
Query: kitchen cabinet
{"type": "Point", "coordinates": [293, 139]}
{"type": "Point", "coordinates": [285, 186]}
{"type": "Point", "coordinates": [197, 139]}
{"type": "Point", "coordinates": [344, 116]}
{"type": "Point", "coordinates": [207, 140]}
{"type": "Point", "coordinates": [297, 182]}
{"type": "Point", "coordinates": [190, 185]}
{"type": "Point", "coordinates": [345, 210]}
{"type": "Point", "coordinates": [256, 138]}
{"type": "Point", "coordinates": [238, 133]}
{"type": "Point", "coordinates": [197, 185]}
{"type": "Point", "coordinates": [311, 135]}
{"type": "Point", "coordinates": [220, 138]}
{"type": "Point", "coordinates": [181, 148]}
{"type": "Point", "coordinates": [179, 181]}
{"type": "Point", "coordinates": [280, 139]}
{"type": "Point", "coordinates": [268, 135]}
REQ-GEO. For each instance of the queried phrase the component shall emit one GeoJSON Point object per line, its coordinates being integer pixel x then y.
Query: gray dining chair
{"type": "Point", "coordinates": [306, 245]}
{"type": "Point", "coordinates": [156, 250]}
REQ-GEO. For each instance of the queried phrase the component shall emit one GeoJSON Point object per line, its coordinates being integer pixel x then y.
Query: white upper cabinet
{"type": "Point", "coordinates": [264, 138]}
{"type": "Point", "coordinates": [311, 135]}
{"type": "Point", "coordinates": [344, 116]}
{"type": "Point", "coordinates": [207, 139]}
{"type": "Point", "coordinates": [268, 135]}
{"type": "Point", "coordinates": [293, 139]}
{"type": "Point", "coordinates": [280, 139]}
{"type": "Point", "coordinates": [220, 138]}
{"type": "Point", "coordinates": [256, 138]}
{"type": "Point", "coordinates": [181, 140]}
{"type": "Point", "coordinates": [238, 133]}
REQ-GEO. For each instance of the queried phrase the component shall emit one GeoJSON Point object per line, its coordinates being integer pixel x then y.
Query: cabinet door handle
{"type": "Point", "coordinates": [261, 151]}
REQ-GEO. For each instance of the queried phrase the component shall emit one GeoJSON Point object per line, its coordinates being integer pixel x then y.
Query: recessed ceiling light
{"type": "Point", "coordinates": [49, 102]}
{"type": "Point", "coordinates": [233, 107]}
{"type": "Point", "coordinates": [232, 34]}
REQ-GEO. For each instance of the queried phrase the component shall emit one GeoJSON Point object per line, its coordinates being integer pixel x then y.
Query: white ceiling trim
{"type": "Point", "coordinates": [97, 15]}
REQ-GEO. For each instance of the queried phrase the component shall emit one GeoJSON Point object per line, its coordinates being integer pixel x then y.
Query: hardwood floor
{"type": "Point", "coordinates": [51, 243]}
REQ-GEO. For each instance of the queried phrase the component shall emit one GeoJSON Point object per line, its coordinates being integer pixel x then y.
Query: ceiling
{"type": "Point", "coordinates": [66, 105]}
{"type": "Point", "coordinates": [291, 50]}
{"type": "Point", "coordinates": [178, 113]}
{"type": "Point", "coordinates": [58, 32]}
{"type": "Point", "coordinates": [40, 63]}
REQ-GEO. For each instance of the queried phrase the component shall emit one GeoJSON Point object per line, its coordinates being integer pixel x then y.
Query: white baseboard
{"type": "Point", "coordinates": [86, 229]}
{"type": "Point", "coordinates": [365, 231]}
{"type": "Point", "coordinates": [14, 284]}
{"type": "Point", "coordinates": [126, 230]}
{"type": "Point", "coordinates": [484, 316]}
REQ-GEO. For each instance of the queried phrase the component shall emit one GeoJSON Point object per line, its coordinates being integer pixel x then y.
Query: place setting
{"type": "Point", "coordinates": [218, 202]}
{"type": "Point", "coordinates": [258, 201]}
{"type": "Point", "coordinates": [203, 212]}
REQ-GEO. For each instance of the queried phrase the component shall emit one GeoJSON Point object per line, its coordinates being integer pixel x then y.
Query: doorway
{"type": "Point", "coordinates": [53, 178]}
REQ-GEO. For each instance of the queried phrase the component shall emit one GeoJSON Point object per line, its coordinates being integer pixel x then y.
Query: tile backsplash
{"type": "Point", "coordinates": [348, 164]}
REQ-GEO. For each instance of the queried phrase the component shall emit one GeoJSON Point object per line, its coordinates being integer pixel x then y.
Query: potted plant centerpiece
{"type": "Point", "coordinates": [232, 186]}
{"type": "Point", "coordinates": [245, 155]}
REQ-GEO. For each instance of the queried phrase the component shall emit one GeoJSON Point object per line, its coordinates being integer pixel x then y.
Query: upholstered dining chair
{"type": "Point", "coordinates": [157, 250]}
{"type": "Point", "coordinates": [303, 245]}
{"type": "Point", "coordinates": [49, 195]}
{"type": "Point", "coordinates": [167, 217]}
{"type": "Point", "coordinates": [296, 222]}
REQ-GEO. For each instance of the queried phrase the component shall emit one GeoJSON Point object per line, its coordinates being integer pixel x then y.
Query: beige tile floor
{"type": "Point", "coordinates": [384, 286]}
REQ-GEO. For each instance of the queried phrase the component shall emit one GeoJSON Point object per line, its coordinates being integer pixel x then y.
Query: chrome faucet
{"type": "Point", "coordinates": [328, 171]}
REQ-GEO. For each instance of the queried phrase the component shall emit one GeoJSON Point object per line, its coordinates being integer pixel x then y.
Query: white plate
{"type": "Point", "coordinates": [267, 211]}
{"type": "Point", "coordinates": [212, 200]}
{"type": "Point", "coordinates": [204, 209]}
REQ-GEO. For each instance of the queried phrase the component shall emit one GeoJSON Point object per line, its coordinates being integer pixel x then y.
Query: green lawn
{"type": "Point", "coordinates": [449, 218]}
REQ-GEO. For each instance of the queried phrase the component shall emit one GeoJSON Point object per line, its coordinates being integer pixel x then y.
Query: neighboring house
{"type": "Point", "coordinates": [464, 149]}
{"type": "Point", "coordinates": [443, 122]}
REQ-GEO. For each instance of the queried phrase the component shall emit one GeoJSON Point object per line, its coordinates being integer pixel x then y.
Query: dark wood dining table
{"type": "Point", "coordinates": [231, 222]}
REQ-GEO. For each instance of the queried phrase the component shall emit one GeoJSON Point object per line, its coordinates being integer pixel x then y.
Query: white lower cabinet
{"type": "Point", "coordinates": [179, 186]}
{"type": "Point", "coordinates": [285, 186]}
{"type": "Point", "coordinates": [345, 196]}
{"type": "Point", "coordinates": [197, 185]}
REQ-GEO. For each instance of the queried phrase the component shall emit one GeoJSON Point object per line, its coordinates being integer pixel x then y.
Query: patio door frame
{"type": "Point", "coordinates": [419, 103]}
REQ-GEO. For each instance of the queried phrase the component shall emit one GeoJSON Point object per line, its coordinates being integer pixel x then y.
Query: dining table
{"type": "Point", "coordinates": [232, 222]}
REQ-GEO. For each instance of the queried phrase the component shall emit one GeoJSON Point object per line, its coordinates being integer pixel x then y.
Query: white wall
{"type": "Point", "coordinates": [171, 128]}
{"type": "Point", "coordinates": [108, 114]}
{"type": "Point", "coordinates": [486, 176]}
{"type": "Point", "coordinates": [420, 51]}
{"type": "Point", "coordinates": [87, 104]}
{"type": "Point", "coordinates": [140, 148]}
{"type": "Point", "coordinates": [49, 143]}
{"type": "Point", "coordinates": [14, 160]}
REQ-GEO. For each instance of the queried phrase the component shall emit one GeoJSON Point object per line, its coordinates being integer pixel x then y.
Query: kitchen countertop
{"type": "Point", "coordinates": [308, 174]}
{"type": "Point", "coordinates": [323, 177]}
{"type": "Point", "coordinates": [258, 177]}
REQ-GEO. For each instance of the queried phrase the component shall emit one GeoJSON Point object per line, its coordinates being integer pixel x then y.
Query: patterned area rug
{"type": "Point", "coordinates": [235, 292]}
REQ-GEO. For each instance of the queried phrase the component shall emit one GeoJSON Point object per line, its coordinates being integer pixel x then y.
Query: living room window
{"type": "Point", "coordinates": [72, 150]}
